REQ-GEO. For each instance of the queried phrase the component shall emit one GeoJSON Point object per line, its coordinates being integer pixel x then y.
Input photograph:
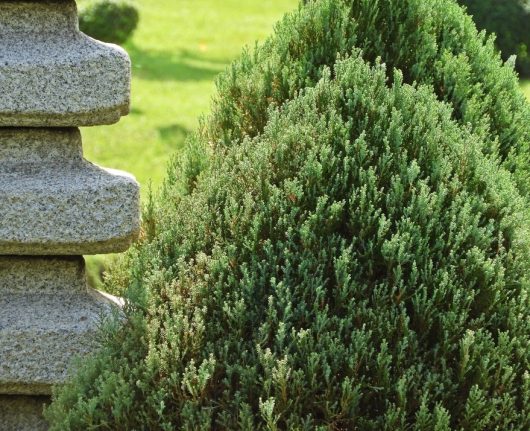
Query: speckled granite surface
{"type": "Point", "coordinates": [44, 275]}
{"type": "Point", "coordinates": [53, 202]}
{"type": "Point", "coordinates": [54, 205]}
{"type": "Point", "coordinates": [51, 74]}
{"type": "Point", "coordinates": [22, 413]}
{"type": "Point", "coordinates": [48, 318]}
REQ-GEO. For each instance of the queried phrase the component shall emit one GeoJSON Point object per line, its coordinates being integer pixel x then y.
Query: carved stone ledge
{"type": "Point", "coordinates": [53, 202]}
{"type": "Point", "coordinates": [52, 75]}
{"type": "Point", "coordinates": [48, 318]}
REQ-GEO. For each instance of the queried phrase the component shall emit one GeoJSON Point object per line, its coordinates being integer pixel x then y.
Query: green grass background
{"type": "Point", "coordinates": [177, 51]}
{"type": "Point", "coordinates": [526, 88]}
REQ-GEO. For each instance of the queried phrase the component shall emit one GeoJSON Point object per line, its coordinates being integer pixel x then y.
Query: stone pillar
{"type": "Point", "coordinates": [54, 205]}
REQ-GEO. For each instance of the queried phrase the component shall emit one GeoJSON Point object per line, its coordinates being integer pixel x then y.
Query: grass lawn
{"type": "Point", "coordinates": [525, 84]}
{"type": "Point", "coordinates": [177, 51]}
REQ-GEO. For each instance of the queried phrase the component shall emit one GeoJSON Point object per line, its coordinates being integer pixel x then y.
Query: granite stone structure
{"type": "Point", "coordinates": [55, 206]}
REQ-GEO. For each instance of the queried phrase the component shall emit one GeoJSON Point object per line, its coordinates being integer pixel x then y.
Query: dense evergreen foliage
{"type": "Point", "coordinates": [112, 21]}
{"type": "Point", "coordinates": [510, 21]}
{"type": "Point", "coordinates": [432, 42]}
{"type": "Point", "coordinates": [351, 254]}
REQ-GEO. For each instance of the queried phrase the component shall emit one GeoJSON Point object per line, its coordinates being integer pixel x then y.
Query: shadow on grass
{"type": "Point", "coordinates": [136, 111]}
{"type": "Point", "coordinates": [173, 132]}
{"type": "Point", "coordinates": [182, 65]}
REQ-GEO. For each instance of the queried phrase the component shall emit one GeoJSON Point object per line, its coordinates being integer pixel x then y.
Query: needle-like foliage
{"type": "Point", "coordinates": [352, 256]}
{"type": "Point", "coordinates": [432, 42]}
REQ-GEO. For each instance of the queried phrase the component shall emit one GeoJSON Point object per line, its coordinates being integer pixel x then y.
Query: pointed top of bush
{"type": "Point", "coordinates": [431, 41]}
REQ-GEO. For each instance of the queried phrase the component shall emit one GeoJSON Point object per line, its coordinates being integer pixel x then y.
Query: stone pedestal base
{"type": "Point", "coordinates": [48, 317]}
{"type": "Point", "coordinates": [54, 203]}
{"type": "Point", "coordinates": [22, 413]}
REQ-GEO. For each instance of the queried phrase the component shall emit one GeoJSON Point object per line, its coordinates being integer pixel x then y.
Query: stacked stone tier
{"type": "Point", "coordinates": [48, 318]}
{"type": "Point", "coordinates": [52, 75]}
{"type": "Point", "coordinates": [53, 202]}
{"type": "Point", "coordinates": [54, 205]}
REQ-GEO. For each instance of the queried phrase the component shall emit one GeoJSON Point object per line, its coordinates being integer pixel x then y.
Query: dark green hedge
{"type": "Point", "coordinates": [510, 21]}
{"type": "Point", "coordinates": [354, 258]}
{"type": "Point", "coordinates": [112, 21]}
{"type": "Point", "coordinates": [432, 42]}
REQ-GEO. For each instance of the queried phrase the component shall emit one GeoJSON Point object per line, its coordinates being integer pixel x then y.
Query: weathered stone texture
{"type": "Point", "coordinates": [22, 413]}
{"type": "Point", "coordinates": [42, 275]}
{"type": "Point", "coordinates": [48, 318]}
{"type": "Point", "coordinates": [52, 75]}
{"type": "Point", "coordinates": [54, 205]}
{"type": "Point", "coordinates": [53, 202]}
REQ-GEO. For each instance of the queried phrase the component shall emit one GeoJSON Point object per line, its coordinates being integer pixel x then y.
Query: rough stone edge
{"type": "Point", "coordinates": [111, 246]}
{"type": "Point", "coordinates": [104, 118]}
{"type": "Point", "coordinates": [110, 306]}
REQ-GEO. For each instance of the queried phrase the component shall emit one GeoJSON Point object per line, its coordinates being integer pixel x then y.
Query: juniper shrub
{"type": "Point", "coordinates": [360, 264]}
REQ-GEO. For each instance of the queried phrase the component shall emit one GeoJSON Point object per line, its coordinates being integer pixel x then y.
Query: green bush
{"type": "Point", "coordinates": [432, 42]}
{"type": "Point", "coordinates": [112, 21]}
{"type": "Point", "coordinates": [359, 265]}
{"type": "Point", "coordinates": [510, 21]}
{"type": "Point", "coordinates": [350, 255]}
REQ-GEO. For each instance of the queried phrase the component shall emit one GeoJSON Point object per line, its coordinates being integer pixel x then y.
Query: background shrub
{"type": "Point", "coordinates": [112, 21]}
{"type": "Point", "coordinates": [510, 21]}
{"type": "Point", "coordinates": [351, 255]}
